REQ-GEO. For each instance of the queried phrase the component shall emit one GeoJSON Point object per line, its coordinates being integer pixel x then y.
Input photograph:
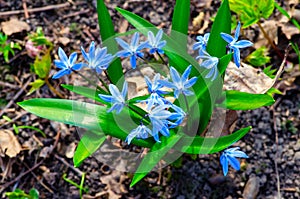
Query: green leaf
{"type": "Point", "coordinates": [34, 193]}
{"type": "Point", "coordinates": [93, 94]}
{"type": "Point", "coordinates": [236, 100]}
{"type": "Point", "coordinates": [156, 153]}
{"type": "Point", "coordinates": [42, 65]}
{"type": "Point", "coordinates": [88, 144]}
{"type": "Point", "coordinates": [259, 57]}
{"type": "Point", "coordinates": [90, 116]}
{"type": "Point", "coordinates": [208, 145]}
{"type": "Point", "coordinates": [285, 13]}
{"type": "Point", "coordinates": [216, 46]}
{"type": "Point", "coordinates": [270, 72]}
{"type": "Point", "coordinates": [180, 22]}
{"type": "Point", "coordinates": [86, 92]}
{"type": "Point", "coordinates": [251, 11]}
{"type": "Point", "coordinates": [107, 32]}
{"type": "Point", "coordinates": [35, 85]}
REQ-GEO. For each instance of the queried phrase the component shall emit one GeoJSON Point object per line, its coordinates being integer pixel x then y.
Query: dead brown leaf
{"type": "Point", "coordinates": [14, 26]}
{"type": "Point", "coordinates": [246, 79]}
{"type": "Point", "coordinates": [9, 144]}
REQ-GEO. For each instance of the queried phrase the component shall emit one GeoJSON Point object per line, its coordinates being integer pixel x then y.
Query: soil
{"type": "Point", "coordinates": [273, 145]}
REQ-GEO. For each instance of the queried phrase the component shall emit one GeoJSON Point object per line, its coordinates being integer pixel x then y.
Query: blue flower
{"type": "Point", "coordinates": [210, 63]}
{"type": "Point", "coordinates": [154, 86]}
{"type": "Point", "coordinates": [141, 132]}
{"type": "Point", "coordinates": [66, 64]}
{"type": "Point", "coordinates": [202, 42]}
{"type": "Point", "coordinates": [133, 50]}
{"type": "Point", "coordinates": [154, 43]}
{"type": "Point", "coordinates": [230, 155]}
{"type": "Point", "coordinates": [178, 116]}
{"type": "Point", "coordinates": [116, 98]}
{"type": "Point", "coordinates": [155, 97]}
{"type": "Point", "coordinates": [97, 59]}
{"type": "Point", "coordinates": [159, 119]}
{"type": "Point", "coordinates": [235, 45]}
{"type": "Point", "coordinates": [180, 84]}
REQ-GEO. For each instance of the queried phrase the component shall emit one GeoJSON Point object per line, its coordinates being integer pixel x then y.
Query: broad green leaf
{"type": "Point", "coordinates": [208, 145]}
{"type": "Point", "coordinates": [216, 46]}
{"type": "Point", "coordinates": [86, 92]}
{"type": "Point", "coordinates": [88, 144]}
{"type": "Point", "coordinates": [180, 22]}
{"type": "Point", "coordinates": [42, 65]}
{"type": "Point", "coordinates": [35, 85]}
{"type": "Point", "coordinates": [93, 94]}
{"type": "Point", "coordinates": [107, 32]}
{"type": "Point", "coordinates": [156, 153]}
{"type": "Point", "coordinates": [236, 100]}
{"type": "Point", "coordinates": [90, 116]}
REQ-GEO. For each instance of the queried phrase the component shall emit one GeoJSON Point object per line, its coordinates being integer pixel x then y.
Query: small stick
{"type": "Point", "coordinates": [25, 9]}
{"type": "Point", "coordinates": [39, 9]}
{"type": "Point", "coordinates": [16, 96]}
{"type": "Point", "coordinates": [5, 84]}
{"type": "Point", "coordinates": [68, 165]}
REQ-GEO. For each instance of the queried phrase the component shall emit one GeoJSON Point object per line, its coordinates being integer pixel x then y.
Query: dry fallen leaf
{"type": "Point", "coordinates": [70, 150]}
{"type": "Point", "coordinates": [246, 79]}
{"type": "Point", "coordinates": [14, 26]}
{"type": "Point", "coordinates": [9, 144]}
{"type": "Point", "coordinates": [64, 40]}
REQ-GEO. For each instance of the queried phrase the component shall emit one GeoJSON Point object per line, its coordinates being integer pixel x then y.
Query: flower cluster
{"type": "Point", "coordinates": [162, 115]}
{"type": "Point", "coordinates": [211, 63]}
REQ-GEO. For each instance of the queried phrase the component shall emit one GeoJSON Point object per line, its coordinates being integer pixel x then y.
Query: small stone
{"type": "Point", "coordinates": [251, 188]}
{"type": "Point", "coordinates": [280, 140]}
{"type": "Point", "coordinates": [289, 181]}
{"type": "Point", "coordinates": [263, 179]}
{"type": "Point", "coordinates": [217, 179]}
{"type": "Point", "coordinates": [297, 146]}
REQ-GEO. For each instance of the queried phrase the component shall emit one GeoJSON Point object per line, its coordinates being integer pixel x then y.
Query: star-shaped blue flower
{"type": "Point", "coordinates": [178, 116]}
{"type": "Point", "coordinates": [229, 156]}
{"type": "Point", "coordinates": [116, 98]}
{"type": "Point", "coordinates": [180, 84]}
{"type": "Point", "coordinates": [202, 42]}
{"type": "Point", "coordinates": [141, 132]}
{"type": "Point", "coordinates": [210, 63]}
{"type": "Point", "coordinates": [159, 119]}
{"type": "Point", "coordinates": [155, 97]}
{"type": "Point", "coordinates": [66, 64]}
{"type": "Point", "coordinates": [132, 50]}
{"type": "Point", "coordinates": [97, 58]}
{"type": "Point", "coordinates": [235, 45]}
{"type": "Point", "coordinates": [155, 44]}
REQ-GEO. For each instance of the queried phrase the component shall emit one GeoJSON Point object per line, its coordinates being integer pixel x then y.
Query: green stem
{"type": "Point", "coordinates": [89, 81]}
{"type": "Point", "coordinates": [186, 104]}
{"type": "Point", "coordinates": [103, 83]}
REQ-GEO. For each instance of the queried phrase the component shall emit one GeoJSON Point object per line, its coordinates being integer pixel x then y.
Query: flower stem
{"type": "Point", "coordinates": [89, 81]}
{"type": "Point", "coordinates": [162, 59]}
{"type": "Point", "coordinates": [186, 104]}
{"type": "Point", "coordinates": [103, 83]}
